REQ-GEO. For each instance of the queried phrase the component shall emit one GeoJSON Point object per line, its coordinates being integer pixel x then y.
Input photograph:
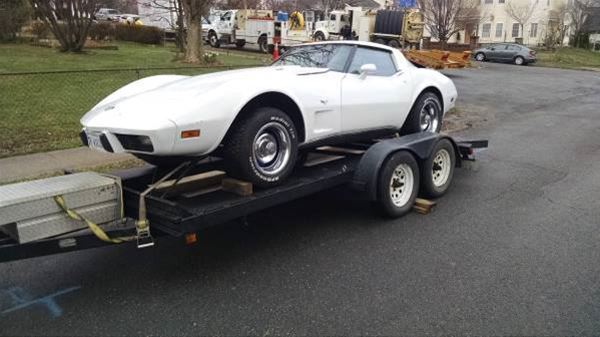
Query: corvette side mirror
{"type": "Point", "coordinates": [367, 69]}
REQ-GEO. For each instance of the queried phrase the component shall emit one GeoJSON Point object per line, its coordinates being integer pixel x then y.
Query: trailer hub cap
{"type": "Point", "coordinates": [441, 168]}
{"type": "Point", "coordinates": [401, 185]}
{"type": "Point", "coordinates": [271, 149]}
{"type": "Point", "coordinates": [429, 116]}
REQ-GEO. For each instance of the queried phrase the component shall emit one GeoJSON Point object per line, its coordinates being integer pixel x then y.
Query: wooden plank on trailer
{"type": "Point", "coordinates": [192, 183]}
{"type": "Point", "coordinates": [239, 187]}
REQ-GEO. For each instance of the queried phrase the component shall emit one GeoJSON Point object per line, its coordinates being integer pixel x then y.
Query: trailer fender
{"type": "Point", "coordinates": [420, 145]}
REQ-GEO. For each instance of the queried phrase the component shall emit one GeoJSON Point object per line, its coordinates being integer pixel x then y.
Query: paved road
{"type": "Point", "coordinates": [513, 249]}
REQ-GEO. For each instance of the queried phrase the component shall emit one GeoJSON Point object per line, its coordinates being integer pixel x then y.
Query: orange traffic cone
{"type": "Point", "coordinates": [276, 52]}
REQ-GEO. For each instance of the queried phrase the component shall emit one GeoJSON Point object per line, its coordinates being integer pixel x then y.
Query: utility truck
{"type": "Point", "coordinates": [261, 27]}
{"type": "Point", "coordinates": [395, 28]}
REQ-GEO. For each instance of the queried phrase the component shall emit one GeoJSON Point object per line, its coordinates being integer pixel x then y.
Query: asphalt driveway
{"type": "Point", "coordinates": [514, 248]}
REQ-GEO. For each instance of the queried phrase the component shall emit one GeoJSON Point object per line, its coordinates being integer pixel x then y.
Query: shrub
{"type": "Point", "coordinates": [141, 34]}
{"type": "Point", "coordinates": [13, 14]}
{"type": "Point", "coordinates": [40, 29]}
{"type": "Point", "coordinates": [102, 31]}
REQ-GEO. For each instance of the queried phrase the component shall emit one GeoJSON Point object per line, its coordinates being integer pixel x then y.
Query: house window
{"type": "Point", "coordinates": [533, 30]}
{"type": "Point", "coordinates": [485, 29]}
{"type": "Point", "coordinates": [499, 29]}
{"type": "Point", "coordinates": [501, 1]}
{"type": "Point", "coordinates": [515, 30]}
{"type": "Point", "coordinates": [489, 1]}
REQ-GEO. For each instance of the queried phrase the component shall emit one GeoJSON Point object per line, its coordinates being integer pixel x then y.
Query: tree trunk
{"type": "Point", "coordinates": [193, 51]}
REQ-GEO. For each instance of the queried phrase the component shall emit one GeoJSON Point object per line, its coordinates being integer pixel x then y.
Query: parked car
{"type": "Point", "coordinates": [107, 14]}
{"type": "Point", "coordinates": [506, 52]}
{"type": "Point", "coordinates": [258, 119]}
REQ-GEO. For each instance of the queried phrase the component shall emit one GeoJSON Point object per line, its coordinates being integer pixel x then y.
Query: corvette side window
{"type": "Point", "coordinates": [380, 58]}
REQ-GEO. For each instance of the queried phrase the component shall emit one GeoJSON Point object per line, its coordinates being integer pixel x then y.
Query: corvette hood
{"type": "Point", "coordinates": [162, 97]}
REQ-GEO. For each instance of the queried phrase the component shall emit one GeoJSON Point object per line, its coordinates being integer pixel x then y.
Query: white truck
{"type": "Point", "coordinates": [395, 28]}
{"type": "Point", "coordinates": [261, 27]}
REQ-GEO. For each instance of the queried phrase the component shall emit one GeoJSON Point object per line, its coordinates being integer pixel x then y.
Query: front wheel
{"type": "Point", "coordinates": [438, 170]}
{"type": "Point", "coordinates": [262, 147]}
{"type": "Point", "coordinates": [319, 36]}
{"type": "Point", "coordinates": [480, 57]}
{"type": "Point", "coordinates": [213, 40]}
{"type": "Point", "coordinates": [425, 115]}
{"type": "Point", "coordinates": [398, 184]}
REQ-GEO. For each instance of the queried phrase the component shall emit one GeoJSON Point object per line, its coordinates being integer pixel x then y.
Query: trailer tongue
{"type": "Point", "coordinates": [196, 196]}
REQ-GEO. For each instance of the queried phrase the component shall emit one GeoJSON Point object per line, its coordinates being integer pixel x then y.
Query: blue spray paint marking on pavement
{"type": "Point", "coordinates": [22, 299]}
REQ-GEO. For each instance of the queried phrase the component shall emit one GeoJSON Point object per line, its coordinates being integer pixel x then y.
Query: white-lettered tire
{"type": "Point", "coordinates": [425, 116]}
{"type": "Point", "coordinates": [262, 147]}
{"type": "Point", "coordinates": [438, 170]}
{"type": "Point", "coordinates": [398, 184]}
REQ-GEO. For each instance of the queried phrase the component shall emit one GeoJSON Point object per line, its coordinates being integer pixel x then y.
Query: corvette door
{"type": "Point", "coordinates": [377, 100]}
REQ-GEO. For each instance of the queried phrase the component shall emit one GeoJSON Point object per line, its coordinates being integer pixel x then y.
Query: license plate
{"type": "Point", "coordinates": [95, 143]}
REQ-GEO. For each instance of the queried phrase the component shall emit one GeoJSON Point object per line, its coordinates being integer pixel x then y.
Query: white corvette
{"type": "Point", "coordinates": [259, 118]}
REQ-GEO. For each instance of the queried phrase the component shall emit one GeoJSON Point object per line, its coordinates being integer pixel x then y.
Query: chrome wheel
{"type": "Point", "coordinates": [401, 185]}
{"type": "Point", "coordinates": [441, 168]}
{"type": "Point", "coordinates": [429, 117]}
{"type": "Point", "coordinates": [480, 57]}
{"type": "Point", "coordinates": [271, 149]}
{"type": "Point", "coordinates": [518, 60]}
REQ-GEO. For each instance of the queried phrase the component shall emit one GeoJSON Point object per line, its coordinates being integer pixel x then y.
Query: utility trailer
{"type": "Point", "coordinates": [389, 172]}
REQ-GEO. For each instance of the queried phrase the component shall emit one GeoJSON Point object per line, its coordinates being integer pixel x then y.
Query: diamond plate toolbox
{"type": "Point", "coordinates": [28, 211]}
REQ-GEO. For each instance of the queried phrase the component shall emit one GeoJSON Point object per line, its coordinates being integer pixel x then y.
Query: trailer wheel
{"type": "Point", "coordinates": [398, 184]}
{"type": "Point", "coordinates": [262, 147]}
{"type": "Point", "coordinates": [438, 170]}
{"type": "Point", "coordinates": [213, 40]}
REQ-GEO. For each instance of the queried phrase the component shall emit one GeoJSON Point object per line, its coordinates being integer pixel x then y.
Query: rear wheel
{"type": "Point", "coordinates": [262, 44]}
{"type": "Point", "coordinates": [398, 184]}
{"type": "Point", "coordinates": [425, 115]}
{"type": "Point", "coordinates": [438, 170]}
{"type": "Point", "coordinates": [262, 147]}
{"type": "Point", "coordinates": [519, 60]}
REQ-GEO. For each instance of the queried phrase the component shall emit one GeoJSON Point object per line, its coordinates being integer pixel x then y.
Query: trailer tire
{"type": "Point", "coordinates": [262, 147]}
{"type": "Point", "coordinates": [398, 184]}
{"type": "Point", "coordinates": [438, 170]}
{"type": "Point", "coordinates": [417, 121]}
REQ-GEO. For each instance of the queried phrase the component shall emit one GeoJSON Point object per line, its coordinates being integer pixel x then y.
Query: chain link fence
{"type": "Point", "coordinates": [40, 111]}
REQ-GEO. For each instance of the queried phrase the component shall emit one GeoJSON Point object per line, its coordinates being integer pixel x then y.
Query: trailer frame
{"type": "Point", "coordinates": [177, 217]}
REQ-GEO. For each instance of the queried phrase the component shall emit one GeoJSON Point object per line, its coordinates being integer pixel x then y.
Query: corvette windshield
{"type": "Point", "coordinates": [330, 56]}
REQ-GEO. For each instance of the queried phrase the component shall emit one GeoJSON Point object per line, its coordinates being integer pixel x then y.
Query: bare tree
{"type": "Point", "coordinates": [171, 12]}
{"type": "Point", "coordinates": [445, 18]}
{"type": "Point", "coordinates": [557, 26]}
{"type": "Point", "coordinates": [520, 12]}
{"type": "Point", "coordinates": [69, 20]}
{"type": "Point", "coordinates": [193, 11]}
{"type": "Point", "coordinates": [579, 10]}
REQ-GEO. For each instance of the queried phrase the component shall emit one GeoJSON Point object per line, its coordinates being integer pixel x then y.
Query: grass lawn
{"type": "Point", "coordinates": [569, 58]}
{"type": "Point", "coordinates": [41, 112]}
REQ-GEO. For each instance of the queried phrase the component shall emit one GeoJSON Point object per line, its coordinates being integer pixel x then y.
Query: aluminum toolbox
{"type": "Point", "coordinates": [28, 211]}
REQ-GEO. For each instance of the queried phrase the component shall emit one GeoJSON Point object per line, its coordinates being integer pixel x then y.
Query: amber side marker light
{"type": "Point", "coordinates": [191, 238]}
{"type": "Point", "coordinates": [190, 134]}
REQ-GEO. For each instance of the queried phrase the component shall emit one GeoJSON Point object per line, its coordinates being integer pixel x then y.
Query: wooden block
{"type": "Point", "coordinates": [421, 210]}
{"type": "Point", "coordinates": [238, 187]}
{"type": "Point", "coordinates": [192, 183]}
{"type": "Point", "coordinates": [322, 160]}
{"type": "Point", "coordinates": [424, 203]}
{"type": "Point", "coordinates": [342, 150]}
{"type": "Point", "coordinates": [203, 191]}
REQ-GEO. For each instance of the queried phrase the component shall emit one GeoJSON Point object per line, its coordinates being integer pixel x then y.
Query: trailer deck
{"type": "Point", "coordinates": [181, 214]}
